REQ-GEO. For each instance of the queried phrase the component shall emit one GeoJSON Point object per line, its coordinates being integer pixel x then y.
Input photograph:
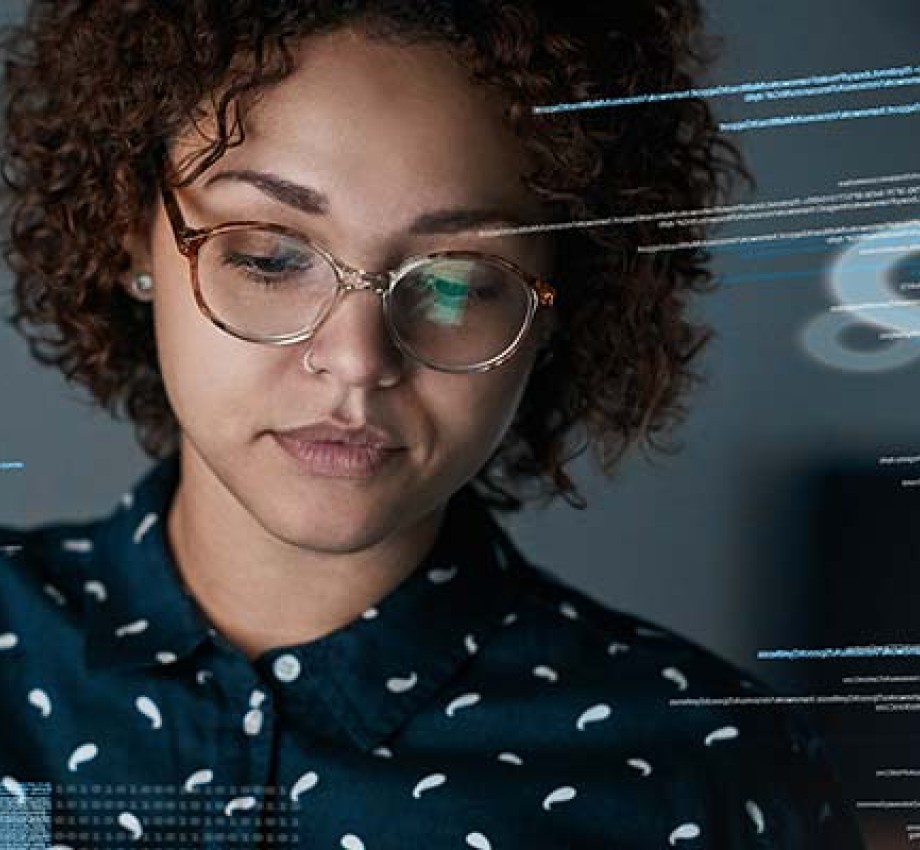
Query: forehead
{"type": "Point", "coordinates": [384, 126]}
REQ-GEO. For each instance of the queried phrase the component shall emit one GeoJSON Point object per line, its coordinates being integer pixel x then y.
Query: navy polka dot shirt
{"type": "Point", "coordinates": [482, 704]}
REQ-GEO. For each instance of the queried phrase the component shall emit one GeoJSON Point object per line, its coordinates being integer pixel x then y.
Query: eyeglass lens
{"type": "Point", "coordinates": [453, 312]}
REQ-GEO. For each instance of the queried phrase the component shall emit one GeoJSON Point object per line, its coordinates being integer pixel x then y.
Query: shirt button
{"type": "Point", "coordinates": [286, 668]}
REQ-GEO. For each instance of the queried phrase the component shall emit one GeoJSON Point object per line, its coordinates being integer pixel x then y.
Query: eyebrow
{"type": "Point", "coordinates": [308, 200]}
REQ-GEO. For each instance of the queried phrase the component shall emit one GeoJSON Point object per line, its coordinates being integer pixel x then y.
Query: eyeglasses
{"type": "Point", "coordinates": [453, 311]}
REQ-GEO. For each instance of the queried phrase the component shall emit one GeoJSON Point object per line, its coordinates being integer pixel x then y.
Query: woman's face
{"type": "Point", "coordinates": [387, 144]}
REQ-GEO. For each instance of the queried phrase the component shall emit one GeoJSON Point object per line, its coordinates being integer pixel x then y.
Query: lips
{"type": "Point", "coordinates": [330, 450]}
{"type": "Point", "coordinates": [361, 458]}
{"type": "Point", "coordinates": [360, 435]}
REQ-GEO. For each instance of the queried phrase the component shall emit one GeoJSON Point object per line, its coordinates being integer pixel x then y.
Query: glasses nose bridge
{"type": "Point", "coordinates": [353, 279]}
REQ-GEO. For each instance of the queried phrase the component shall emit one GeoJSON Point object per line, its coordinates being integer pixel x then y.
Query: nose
{"type": "Point", "coordinates": [353, 342]}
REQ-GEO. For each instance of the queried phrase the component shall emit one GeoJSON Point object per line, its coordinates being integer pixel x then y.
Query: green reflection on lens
{"type": "Point", "coordinates": [450, 297]}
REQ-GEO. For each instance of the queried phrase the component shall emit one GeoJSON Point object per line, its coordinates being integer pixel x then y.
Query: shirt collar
{"type": "Point", "coordinates": [389, 663]}
{"type": "Point", "coordinates": [372, 673]}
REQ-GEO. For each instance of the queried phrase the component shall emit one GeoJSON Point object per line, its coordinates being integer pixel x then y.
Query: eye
{"type": "Point", "coordinates": [261, 257]}
{"type": "Point", "coordinates": [270, 265]}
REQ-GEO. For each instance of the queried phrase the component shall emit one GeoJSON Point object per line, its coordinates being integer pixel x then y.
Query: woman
{"type": "Point", "coordinates": [306, 246]}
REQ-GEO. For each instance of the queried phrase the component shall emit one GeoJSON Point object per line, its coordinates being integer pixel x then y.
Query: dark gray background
{"type": "Point", "coordinates": [713, 542]}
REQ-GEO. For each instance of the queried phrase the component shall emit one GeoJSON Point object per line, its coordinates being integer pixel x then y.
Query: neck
{"type": "Point", "coordinates": [262, 592]}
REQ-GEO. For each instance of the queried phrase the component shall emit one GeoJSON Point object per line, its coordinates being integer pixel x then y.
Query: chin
{"type": "Point", "coordinates": [327, 522]}
{"type": "Point", "coordinates": [335, 535]}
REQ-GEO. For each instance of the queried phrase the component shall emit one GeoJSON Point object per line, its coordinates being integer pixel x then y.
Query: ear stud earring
{"type": "Point", "coordinates": [143, 285]}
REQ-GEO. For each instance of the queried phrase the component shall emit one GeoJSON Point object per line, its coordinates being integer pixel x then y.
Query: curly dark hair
{"type": "Point", "coordinates": [96, 88]}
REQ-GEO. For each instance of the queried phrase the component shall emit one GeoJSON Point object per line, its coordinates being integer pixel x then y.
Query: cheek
{"type": "Point", "coordinates": [505, 401]}
{"type": "Point", "coordinates": [475, 411]}
{"type": "Point", "coordinates": [210, 377]}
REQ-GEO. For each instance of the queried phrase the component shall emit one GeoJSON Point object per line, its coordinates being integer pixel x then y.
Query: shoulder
{"type": "Point", "coordinates": [666, 679]}
{"type": "Point", "coordinates": [577, 625]}
{"type": "Point", "coordinates": [663, 705]}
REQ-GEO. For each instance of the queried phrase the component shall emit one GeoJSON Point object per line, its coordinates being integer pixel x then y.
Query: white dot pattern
{"type": "Point", "coordinates": [253, 720]}
{"type": "Point", "coordinates": [477, 705]}
{"type": "Point", "coordinates": [131, 824]}
{"type": "Point", "coordinates": [41, 701]}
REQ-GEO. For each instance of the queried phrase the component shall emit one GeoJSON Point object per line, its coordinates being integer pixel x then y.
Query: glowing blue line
{"type": "Point", "coordinates": [611, 222]}
{"type": "Point", "coordinates": [760, 238]}
{"type": "Point", "coordinates": [818, 117]}
{"type": "Point", "coordinates": [846, 652]}
{"type": "Point", "coordinates": [11, 464]}
{"type": "Point", "coordinates": [885, 178]}
{"type": "Point", "coordinates": [888, 804]}
{"type": "Point", "coordinates": [817, 91]}
{"type": "Point", "coordinates": [721, 91]}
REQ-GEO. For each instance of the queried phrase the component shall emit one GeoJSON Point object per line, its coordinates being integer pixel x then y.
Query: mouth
{"type": "Point", "coordinates": [338, 458]}
{"type": "Point", "coordinates": [363, 436]}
